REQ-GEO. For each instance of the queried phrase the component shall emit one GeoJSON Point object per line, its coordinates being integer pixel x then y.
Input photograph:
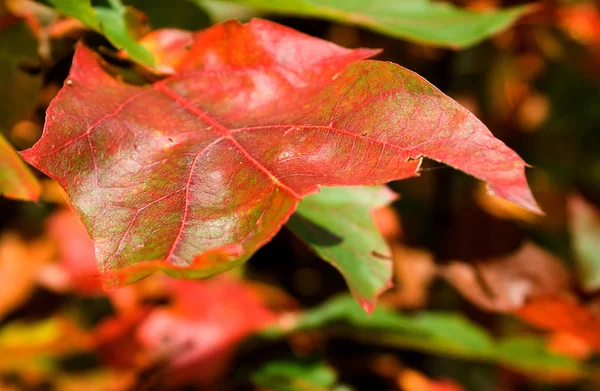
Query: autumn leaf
{"type": "Point", "coordinates": [411, 380]}
{"type": "Point", "coordinates": [16, 180]}
{"type": "Point", "coordinates": [415, 270]}
{"type": "Point", "coordinates": [205, 322]}
{"type": "Point", "coordinates": [168, 46]}
{"type": "Point", "coordinates": [214, 159]}
{"type": "Point", "coordinates": [562, 313]}
{"type": "Point", "coordinates": [76, 252]}
{"type": "Point", "coordinates": [506, 283]}
{"type": "Point", "coordinates": [20, 265]}
{"type": "Point", "coordinates": [569, 344]}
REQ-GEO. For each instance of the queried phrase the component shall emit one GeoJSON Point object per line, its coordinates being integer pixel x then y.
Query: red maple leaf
{"type": "Point", "coordinates": [214, 159]}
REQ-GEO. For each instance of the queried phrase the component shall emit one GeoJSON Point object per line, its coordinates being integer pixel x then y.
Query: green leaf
{"type": "Point", "coordinates": [422, 21]}
{"type": "Point", "coordinates": [81, 10]}
{"type": "Point", "coordinates": [111, 22]}
{"type": "Point", "coordinates": [584, 225]}
{"type": "Point", "coordinates": [530, 354]}
{"type": "Point", "coordinates": [294, 375]}
{"type": "Point", "coordinates": [337, 223]}
{"type": "Point", "coordinates": [114, 25]}
{"type": "Point", "coordinates": [440, 333]}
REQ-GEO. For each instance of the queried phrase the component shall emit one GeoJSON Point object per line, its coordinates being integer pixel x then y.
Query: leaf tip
{"type": "Point", "coordinates": [367, 305]}
{"type": "Point", "coordinates": [519, 195]}
{"type": "Point", "coordinates": [28, 155]}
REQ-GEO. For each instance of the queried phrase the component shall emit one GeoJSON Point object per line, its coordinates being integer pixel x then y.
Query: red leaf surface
{"type": "Point", "coordinates": [254, 118]}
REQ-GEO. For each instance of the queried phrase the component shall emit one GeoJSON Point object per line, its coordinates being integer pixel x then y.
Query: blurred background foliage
{"type": "Point", "coordinates": [487, 295]}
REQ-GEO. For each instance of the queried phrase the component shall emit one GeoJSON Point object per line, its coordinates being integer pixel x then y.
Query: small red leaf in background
{"type": "Point", "coordinates": [581, 22]}
{"type": "Point", "coordinates": [198, 333]}
{"type": "Point", "coordinates": [115, 339]}
{"type": "Point", "coordinates": [77, 257]}
{"type": "Point", "coordinates": [254, 118]}
{"type": "Point", "coordinates": [169, 47]}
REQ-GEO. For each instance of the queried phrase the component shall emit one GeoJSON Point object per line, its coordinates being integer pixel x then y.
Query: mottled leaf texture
{"type": "Point", "coordinates": [216, 157]}
{"type": "Point", "coordinates": [78, 9]}
{"type": "Point", "coordinates": [337, 223]}
{"type": "Point", "coordinates": [16, 180]}
{"type": "Point", "coordinates": [422, 21]}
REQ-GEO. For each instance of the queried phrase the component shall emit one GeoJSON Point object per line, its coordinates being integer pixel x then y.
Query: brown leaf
{"type": "Point", "coordinates": [414, 269]}
{"type": "Point", "coordinates": [505, 284]}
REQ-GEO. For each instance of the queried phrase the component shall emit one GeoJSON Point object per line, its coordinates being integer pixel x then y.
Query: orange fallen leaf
{"type": "Point", "coordinates": [568, 344]}
{"type": "Point", "coordinates": [562, 313]}
{"type": "Point", "coordinates": [20, 264]}
{"type": "Point", "coordinates": [410, 380]}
